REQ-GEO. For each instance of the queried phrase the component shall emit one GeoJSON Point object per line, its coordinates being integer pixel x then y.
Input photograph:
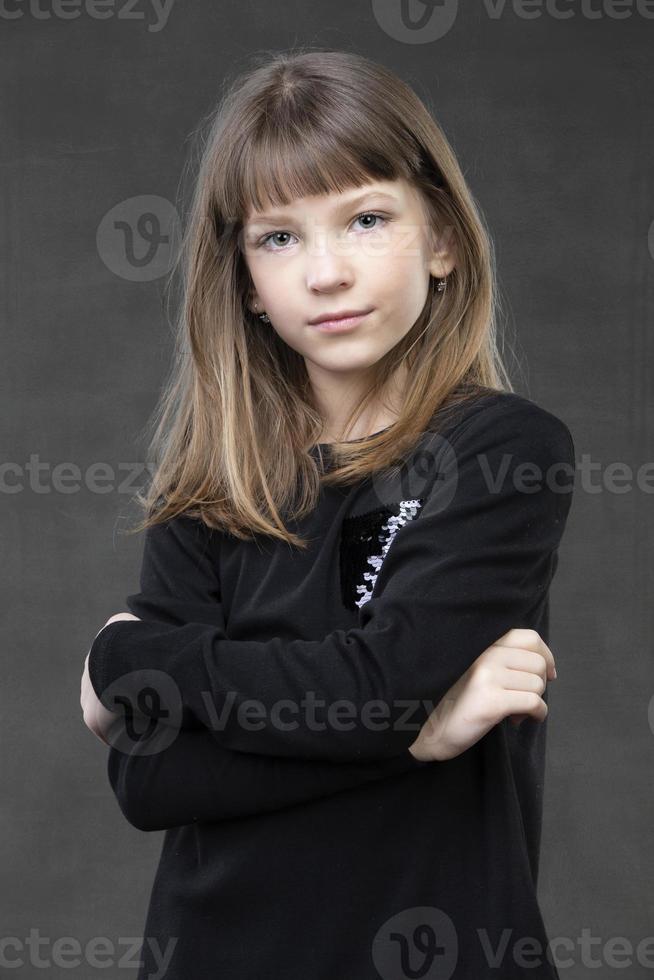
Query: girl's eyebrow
{"type": "Point", "coordinates": [345, 205]}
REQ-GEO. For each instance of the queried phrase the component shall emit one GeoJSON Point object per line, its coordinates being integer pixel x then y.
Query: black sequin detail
{"type": "Point", "coordinates": [362, 536]}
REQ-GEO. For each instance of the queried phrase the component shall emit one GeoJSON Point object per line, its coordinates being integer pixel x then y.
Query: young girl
{"type": "Point", "coordinates": [351, 533]}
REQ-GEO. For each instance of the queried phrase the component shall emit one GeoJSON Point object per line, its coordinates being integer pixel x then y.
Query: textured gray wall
{"type": "Point", "coordinates": [550, 110]}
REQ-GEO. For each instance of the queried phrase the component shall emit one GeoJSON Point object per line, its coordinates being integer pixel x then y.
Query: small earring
{"type": "Point", "coordinates": [263, 316]}
{"type": "Point", "coordinates": [440, 286]}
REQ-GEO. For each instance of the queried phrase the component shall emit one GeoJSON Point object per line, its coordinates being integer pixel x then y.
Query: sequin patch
{"type": "Point", "coordinates": [365, 540]}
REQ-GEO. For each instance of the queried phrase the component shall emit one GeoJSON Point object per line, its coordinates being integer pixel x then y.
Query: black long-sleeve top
{"type": "Point", "coordinates": [303, 840]}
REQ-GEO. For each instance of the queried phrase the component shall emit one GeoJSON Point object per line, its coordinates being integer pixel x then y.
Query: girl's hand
{"type": "Point", "coordinates": [506, 680]}
{"type": "Point", "coordinates": [97, 718]}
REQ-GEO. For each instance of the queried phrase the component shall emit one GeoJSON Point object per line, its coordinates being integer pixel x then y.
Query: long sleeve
{"type": "Point", "coordinates": [477, 561]}
{"type": "Point", "coordinates": [194, 778]}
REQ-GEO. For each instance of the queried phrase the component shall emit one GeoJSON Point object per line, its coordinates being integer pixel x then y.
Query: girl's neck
{"type": "Point", "coordinates": [376, 417]}
{"type": "Point", "coordinates": [382, 420]}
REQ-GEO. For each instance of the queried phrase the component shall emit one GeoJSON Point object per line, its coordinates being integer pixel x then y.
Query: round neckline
{"type": "Point", "coordinates": [323, 445]}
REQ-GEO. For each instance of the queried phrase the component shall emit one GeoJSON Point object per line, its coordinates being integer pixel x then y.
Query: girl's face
{"type": "Point", "coordinates": [367, 249]}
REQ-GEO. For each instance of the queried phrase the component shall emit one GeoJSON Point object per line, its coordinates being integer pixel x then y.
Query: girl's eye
{"type": "Point", "coordinates": [364, 214]}
{"type": "Point", "coordinates": [371, 214]}
{"type": "Point", "coordinates": [264, 241]}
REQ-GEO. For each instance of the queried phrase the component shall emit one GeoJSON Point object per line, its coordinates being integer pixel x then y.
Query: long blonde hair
{"type": "Point", "coordinates": [235, 423]}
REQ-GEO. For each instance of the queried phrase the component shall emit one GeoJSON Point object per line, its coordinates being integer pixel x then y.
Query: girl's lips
{"type": "Point", "coordinates": [340, 326]}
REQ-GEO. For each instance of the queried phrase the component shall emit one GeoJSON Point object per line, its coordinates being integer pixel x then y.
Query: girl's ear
{"type": "Point", "coordinates": [443, 254]}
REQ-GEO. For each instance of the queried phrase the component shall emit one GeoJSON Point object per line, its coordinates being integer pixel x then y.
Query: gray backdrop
{"type": "Point", "coordinates": [550, 110]}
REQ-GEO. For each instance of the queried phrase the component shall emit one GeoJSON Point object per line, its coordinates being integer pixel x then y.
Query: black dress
{"type": "Point", "coordinates": [303, 841]}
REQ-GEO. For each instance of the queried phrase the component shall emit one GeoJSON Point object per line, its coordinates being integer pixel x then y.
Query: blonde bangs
{"type": "Point", "coordinates": [279, 170]}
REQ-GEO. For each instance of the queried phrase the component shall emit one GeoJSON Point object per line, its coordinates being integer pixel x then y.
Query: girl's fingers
{"type": "Point", "coordinates": [529, 640]}
{"type": "Point", "coordinates": [514, 658]}
{"type": "Point", "coordinates": [524, 703]}
{"type": "Point", "coordinates": [522, 680]}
